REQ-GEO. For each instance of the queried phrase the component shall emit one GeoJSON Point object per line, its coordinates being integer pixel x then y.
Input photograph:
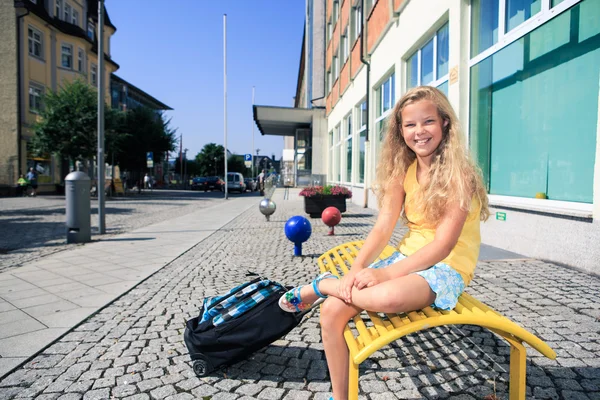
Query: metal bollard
{"type": "Point", "coordinates": [77, 193]}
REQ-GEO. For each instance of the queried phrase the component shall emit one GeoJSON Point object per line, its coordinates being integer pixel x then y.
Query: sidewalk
{"type": "Point", "coordinates": [133, 348]}
{"type": "Point", "coordinates": [41, 301]}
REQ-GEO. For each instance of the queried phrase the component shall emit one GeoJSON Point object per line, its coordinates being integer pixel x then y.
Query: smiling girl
{"type": "Point", "coordinates": [425, 175]}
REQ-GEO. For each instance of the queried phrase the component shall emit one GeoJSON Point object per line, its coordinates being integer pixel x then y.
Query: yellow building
{"type": "Point", "coordinates": [43, 44]}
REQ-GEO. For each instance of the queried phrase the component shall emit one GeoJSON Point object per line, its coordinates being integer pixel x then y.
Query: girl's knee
{"type": "Point", "coordinates": [333, 315]}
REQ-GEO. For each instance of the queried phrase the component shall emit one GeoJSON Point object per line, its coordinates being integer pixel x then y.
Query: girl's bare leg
{"type": "Point", "coordinates": [407, 293]}
{"type": "Point", "coordinates": [335, 314]}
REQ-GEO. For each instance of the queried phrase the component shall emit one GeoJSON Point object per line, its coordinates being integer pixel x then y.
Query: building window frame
{"type": "Point", "coordinates": [335, 66]}
{"type": "Point", "coordinates": [58, 7]}
{"type": "Point", "coordinates": [335, 12]}
{"type": "Point", "coordinates": [387, 88]}
{"type": "Point", "coordinates": [32, 41]}
{"type": "Point", "coordinates": [36, 93]}
{"type": "Point", "coordinates": [437, 80]}
{"type": "Point", "coordinates": [348, 150]}
{"type": "Point", "coordinates": [66, 56]}
{"type": "Point", "coordinates": [75, 17]}
{"type": "Point", "coordinates": [337, 161]}
{"type": "Point", "coordinates": [361, 133]}
{"type": "Point", "coordinates": [94, 74]}
{"type": "Point", "coordinates": [80, 60]}
{"type": "Point", "coordinates": [67, 12]}
{"type": "Point", "coordinates": [345, 47]}
{"type": "Point", "coordinates": [91, 33]}
{"type": "Point", "coordinates": [548, 11]}
{"type": "Point", "coordinates": [355, 23]}
{"type": "Point", "coordinates": [331, 157]}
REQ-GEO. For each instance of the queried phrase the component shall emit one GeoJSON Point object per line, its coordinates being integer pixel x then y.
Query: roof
{"type": "Point", "coordinates": [158, 105]}
{"type": "Point", "coordinates": [283, 121]}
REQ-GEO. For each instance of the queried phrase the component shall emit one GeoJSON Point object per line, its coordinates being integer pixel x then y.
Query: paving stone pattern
{"type": "Point", "coordinates": [134, 348]}
{"type": "Point", "coordinates": [35, 227]}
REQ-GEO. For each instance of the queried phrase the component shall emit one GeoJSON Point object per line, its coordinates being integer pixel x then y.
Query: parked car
{"type": "Point", "coordinates": [214, 183]}
{"type": "Point", "coordinates": [235, 182]}
{"type": "Point", "coordinates": [199, 184]}
{"type": "Point", "coordinates": [250, 184]}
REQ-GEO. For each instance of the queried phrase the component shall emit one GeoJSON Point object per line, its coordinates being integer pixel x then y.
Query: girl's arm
{"type": "Point", "coordinates": [378, 237]}
{"type": "Point", "coordinates": [446, 236]}
{"type": "Point", "coordinates": [384, 227]}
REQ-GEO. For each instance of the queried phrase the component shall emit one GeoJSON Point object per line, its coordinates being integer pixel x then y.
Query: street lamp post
{"type": "Point", "coordinates": [215, 166]}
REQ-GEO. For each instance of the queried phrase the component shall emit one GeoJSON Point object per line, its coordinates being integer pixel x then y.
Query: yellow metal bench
{"type": "Point", "coordinates": [468, 311]}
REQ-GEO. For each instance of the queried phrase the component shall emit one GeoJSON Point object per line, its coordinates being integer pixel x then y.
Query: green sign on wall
{"type": "Point", "coordinates": [501, 216]}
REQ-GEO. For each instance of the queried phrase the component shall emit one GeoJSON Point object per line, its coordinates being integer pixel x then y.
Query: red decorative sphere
{"type": "Point", "coordinates": [331, 216]}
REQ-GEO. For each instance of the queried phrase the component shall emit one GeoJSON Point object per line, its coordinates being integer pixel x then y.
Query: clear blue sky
{"type": "Point", "coordinates": [173, 50]}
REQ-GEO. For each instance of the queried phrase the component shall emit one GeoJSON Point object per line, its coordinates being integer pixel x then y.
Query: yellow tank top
{"type": "Point", "coordinates": [463, 257]}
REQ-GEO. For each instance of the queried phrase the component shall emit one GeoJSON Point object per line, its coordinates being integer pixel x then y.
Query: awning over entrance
{"type": "Point", "coordinates": [282, 121]}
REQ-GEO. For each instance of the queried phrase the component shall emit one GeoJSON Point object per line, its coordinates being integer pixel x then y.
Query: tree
{"type": "Point", "coordinates": [210, 160]}
{"type": "Point", "coordinates": [147, 131]}
{"type": "Point", "coordinates": [69, 121]}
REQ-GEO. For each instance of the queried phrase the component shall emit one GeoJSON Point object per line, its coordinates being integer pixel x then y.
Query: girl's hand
{"type": "Point", "coordinates": [345, 286]}
{"type": "Point", "coordinates": [370, 277]}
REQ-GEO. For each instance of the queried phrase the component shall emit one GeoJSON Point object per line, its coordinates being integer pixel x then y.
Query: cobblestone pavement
{"type": "Point", "coordinates": [35, 227]}
{"type": "Point", "coordinates": [134, 348]}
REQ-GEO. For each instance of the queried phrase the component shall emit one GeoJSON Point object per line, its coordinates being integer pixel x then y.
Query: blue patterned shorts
{"type": "Point", "coordinates": [446, 283]}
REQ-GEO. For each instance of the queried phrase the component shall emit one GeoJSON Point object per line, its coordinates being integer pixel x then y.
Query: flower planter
{"type": "Point", "coordinates": [314, 205]}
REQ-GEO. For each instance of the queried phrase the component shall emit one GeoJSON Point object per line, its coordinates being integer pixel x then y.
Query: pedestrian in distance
{"type": "Point", "coordinates": [426, 176]}
{"type": "Point", "coordinates": [22, 184]}
{"type": "Point", "coordinates": [147, 182]}
{"type": "Point", "coordinates": [261, 182]}
{"type": "Point", "coordinates": [32, 178]}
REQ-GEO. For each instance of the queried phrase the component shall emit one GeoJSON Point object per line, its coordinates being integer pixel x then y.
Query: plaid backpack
{"type": "Point", "coordinates": [235, 325]}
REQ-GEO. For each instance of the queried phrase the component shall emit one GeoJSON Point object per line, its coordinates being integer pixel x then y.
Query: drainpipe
{"type": "Point", "coordinates": [19, 86]}
{"type": "Point", "coordinates": [363, 59]}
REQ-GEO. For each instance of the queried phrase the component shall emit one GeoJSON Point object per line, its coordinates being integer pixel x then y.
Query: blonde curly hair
{"type": "Point", "coordinates": [453, 177]}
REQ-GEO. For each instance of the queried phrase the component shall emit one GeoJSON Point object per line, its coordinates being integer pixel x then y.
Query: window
{"type": "Point", "coordinates": [355, 24]}
{"type": "Point", "coordinates": [429, 64]}
{"type": "Point", "coordinates": [523, 141]}
{"type": "Point", "coordinates": [335, 66]}
{"type": "Point", "coordinates": [337, 160]}
{"type": "Point", "coordinates": [66, 56]}
{"type": "Point", "coordinates": [58, 8]}
{"type": "Point", "coordinates": [348, 140]}
{"type": "Point", "coordinates": [90, 30]}
{"type": "Point", "coordinates": [494, 22]}
{"type": "Point", "coordinates": [369, 6]}
{"type": "Point", "coordinates": [35, 98]}
{"type": "Point", "coordinates": [80, 60]}
{"type": "Point", "coordinates": [75, 17]}
{"type": "Point", "coordinates": [384, 102]}
{"type": "Point", "coordinates": [67, 16]}
{"type": "Point", "coordinates": [362, 136]}
{"type": "Point", "coordinates": [329, 82]}
{"type": "Point", "coordinates": [335, 11]}
{"type": "Point", "coordinates": [94, 74]}
{"type": "Point", "coordinates": [331, 151]}
{"type": "Point", "coordinates": [35, 42]}
{"type": "Point", "coordinates": [345, 47]}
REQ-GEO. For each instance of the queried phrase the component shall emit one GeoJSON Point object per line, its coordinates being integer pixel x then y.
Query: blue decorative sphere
{"type": "Point", "coordinates": [298, 229]}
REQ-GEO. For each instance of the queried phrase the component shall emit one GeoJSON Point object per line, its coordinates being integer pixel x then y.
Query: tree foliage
{"type": "Point", "coordinates": [69, 122]}
{"type": "Point", "coordinates": [212, 155]}
{"type": "Point", "coordinates": [147, 131]}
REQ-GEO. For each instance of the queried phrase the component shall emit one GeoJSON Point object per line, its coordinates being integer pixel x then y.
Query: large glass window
{"type": "Point", "coordinates": [331, 151]}
{"type": "Point", "coordinates": [337, 132]}
{"type": "Point", "coordinates": [362, 140]}
{"type": "Point", "coordinates": [348, 172]}
{"type": "Point", "coordinates": [80, 60]}
{"type": "Point", "coordinates": [94, 74]}
{"type": "Point", "coordinates": [345, 49]}
{"type": "Point", "coordinates": [519, 11]}
{"type": "Point", "coordinates": [355, 24]}
{"type": "Point", "coordinates": [533, 116]}
{"type": "Point", "coordinates": [384, 101]}
{"type": "Point", "coordinates": [429, 64]}
{"type": "Point", "coordinates": [484, 25]}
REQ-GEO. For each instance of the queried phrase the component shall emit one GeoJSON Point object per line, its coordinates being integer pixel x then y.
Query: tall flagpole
{"type": "Point", "coordinates": [225, 95]}
{"type": "Point", "coordinates": [252, 152]}
{"type": "Point", "coordinates": [100, 157]}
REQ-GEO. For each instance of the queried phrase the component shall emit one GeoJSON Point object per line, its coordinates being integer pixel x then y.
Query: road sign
{"type": "Point", "coordinates": [248, 164]}
{"type": "Point", "coordinates": [501, 216]}
{"type": "Point", "coordinates": [248, 157]}
{"type": "Point", "coordinates": [149, 159]}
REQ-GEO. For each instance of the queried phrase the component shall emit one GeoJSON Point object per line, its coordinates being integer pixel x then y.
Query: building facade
{"type": "Point", "coordinates": [523, 77]}
{"type": "Point", "coordinates": [43, 44]}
